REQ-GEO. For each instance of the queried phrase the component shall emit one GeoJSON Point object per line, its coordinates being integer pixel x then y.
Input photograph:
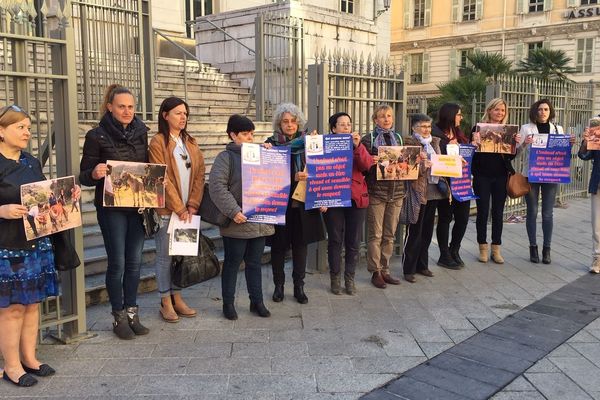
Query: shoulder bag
{"type": "Point", "coordinates": [65, 255]}
{"type": "Point", "coordinates": [191, 270]}
{"type": "Point", "coordinates": [517, 185]}
{"type": "Point", "coordinates": [208, 211]}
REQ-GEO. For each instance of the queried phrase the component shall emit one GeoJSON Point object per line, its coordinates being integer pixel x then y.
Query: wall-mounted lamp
{"type": "Point", "coordinates": [386, 6]}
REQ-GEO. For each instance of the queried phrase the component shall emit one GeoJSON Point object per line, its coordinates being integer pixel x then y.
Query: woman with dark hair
{"type": "Point", "coordinates": [344, 224]}
{"type": "Point", "coordinates": [242, 240]}
{"type": "Point", "coordinates": [184, 187]}
{"type": "Point", "coordinates": [541, 114]}
{"type": "Point", "coordinates": [447, 128]}
{"type": "Point", "coordinates": [120, 136]}
{"type": "Point", "coordinates": [302, 227]}
{"type": "Point", "coordinates": [594, 183]}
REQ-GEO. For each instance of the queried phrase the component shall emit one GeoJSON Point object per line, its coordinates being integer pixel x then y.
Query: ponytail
{"type": "Point", "coordinates": [109, 96]}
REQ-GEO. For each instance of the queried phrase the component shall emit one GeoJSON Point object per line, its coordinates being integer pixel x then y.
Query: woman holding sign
{"type": "Point", "coordinates": [586, 154]}
{"type": "Point", "coordinates": [541, 114]}
{"type": "Point", "coordinates": [184, 187]}
{"type": "Point", "coordinates": [301, 226]}
{"type": "Point", "coordinates": [120, 135]}
{"type": "Point", "coordinates": [447, 128]}
{"type": "Point", "coordinates": [344, 223]}
{"type": "Point", "coordinates": [27, 271]}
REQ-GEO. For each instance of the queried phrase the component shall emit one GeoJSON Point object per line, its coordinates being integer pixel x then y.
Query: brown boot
{"type": "Point", "coordinates": [350, 285]}
{"type": "Point", "coordinates": [496, 256]}
{"type": "Point", "coordinates": [182, 309]}
{"type": "Point", "coordinates": [387, 278]}
{"type": "Point", "coordinates": [336, 283]}
{"type": "Point", "coordinates": [166, 310]}
{"type": "Point", "coordinates": [484, 252]}
{"type": "Point", "coordinates": [377, 280]}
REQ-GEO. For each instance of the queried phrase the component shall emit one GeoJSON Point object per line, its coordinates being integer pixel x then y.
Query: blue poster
{"type": "Point", "coordinates": [462, 188]}
{"type": "Point", "coordinates": [329, 167]}
{"type": "Point", "coordinates": [550, 159]}
{"type": "Point", "coordinates": [265, 183]}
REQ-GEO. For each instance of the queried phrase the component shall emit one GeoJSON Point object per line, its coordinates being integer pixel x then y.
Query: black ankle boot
{"type": "Point", "coordinates": [121, 326]}
{"type": "Point", "coordinates": [546, 255]}
{"type": "Point", "coordinates": [229, 312]}
{"type": "Point", "coordinates": [260, 309]}
{"type": "Point", "coordinates": [133, 316]}
{"type": "Point", "coordinates": [446, 260]}
{"type": "Point", "coordinates": [278, 293]}
{"type": "Point", "coordinates": [456, 256]}
{"type": "Point", "coordinates": [534, 257]}
{"type": "Point", "coordinates": [299, 294]}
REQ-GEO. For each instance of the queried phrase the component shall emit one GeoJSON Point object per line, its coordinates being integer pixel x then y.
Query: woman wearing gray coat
{"type": "Point", "coordinates": [242, 240]}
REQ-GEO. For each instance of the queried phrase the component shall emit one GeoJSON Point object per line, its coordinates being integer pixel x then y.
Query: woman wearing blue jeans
{"type": "Point", "coordinates": [119, 136]}
{"type": "Point", "coordinates": [541, 114]}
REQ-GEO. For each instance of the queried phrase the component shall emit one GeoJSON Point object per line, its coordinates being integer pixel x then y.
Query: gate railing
{"type": "Point", "coordinates": [37, 73]}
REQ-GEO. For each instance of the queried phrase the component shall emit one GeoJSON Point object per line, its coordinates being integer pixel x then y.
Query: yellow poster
{"type": "Point", "coordinates": [445, 165]}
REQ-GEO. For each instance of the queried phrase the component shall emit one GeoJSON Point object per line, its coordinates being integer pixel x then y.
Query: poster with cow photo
{"type": "Point", "coordinates": [497, 138]}
{"type": "Point", "coordinates": [132, 184]}
{"type": "Point", "coordinates": [52, 206]}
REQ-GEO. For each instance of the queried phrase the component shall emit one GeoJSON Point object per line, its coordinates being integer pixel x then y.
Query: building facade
{"type": "Point", "coordinates": [433, 39]}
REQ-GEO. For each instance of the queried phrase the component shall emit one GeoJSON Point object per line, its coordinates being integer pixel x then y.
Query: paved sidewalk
{"type": "Point", "coordinates": [335, 347]}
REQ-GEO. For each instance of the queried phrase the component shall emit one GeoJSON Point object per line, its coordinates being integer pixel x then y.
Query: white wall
{"type": "Point", "coordinates": [168, 15]}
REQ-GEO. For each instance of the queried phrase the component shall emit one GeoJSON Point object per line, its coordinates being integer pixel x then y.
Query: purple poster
{"type": "Point", "coordinates": [329, 167]}
{"type": "Point", "coordinates": [550, 159]}
{"type": "Point", "coordinates": [462, 188]}
{"type": "Point", "coordinates": [265, 183]}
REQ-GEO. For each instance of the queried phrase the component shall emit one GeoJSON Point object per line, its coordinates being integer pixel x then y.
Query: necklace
{"type": "Point", "coordinates": [183, 152]}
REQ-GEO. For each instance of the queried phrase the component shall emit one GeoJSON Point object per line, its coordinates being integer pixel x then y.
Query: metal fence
{"type": "Point", "coordinates": [113, 42]}
{"type": "Point", "coordinates": [280, 65]}
{"type": "Point", "coordinates": [36, 73]}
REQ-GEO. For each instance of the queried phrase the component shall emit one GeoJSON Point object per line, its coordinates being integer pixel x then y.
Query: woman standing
{"type": "Point", "coordinates": [385, 201]}
{"type": "Point", "coordinates": [594, 155]}
{"type": "Point", "coordinates": [541, 114]}
{"type": "Point", "coordinates": [344, 224]}
{"type": "Point", "coordinates": [184, 187]}
{"type": "Point", "coordinates": [415, 257]}
{"type": "Point", "coordinates": [490, 174]}
{"type": "Point", "coordinates": [119, 136]}
{"type": "Point", "coordinates": [447, 128]}
{"type": "Point", "coordinates": [302, 227]}
{"type": "Point", "coordinates": [27, 273]}
{"type": "Point", "coordinates": [242, 240]}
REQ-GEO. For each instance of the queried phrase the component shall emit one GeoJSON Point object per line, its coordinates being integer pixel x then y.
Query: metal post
{"type": "Point", "coordinates": [147, 59]}
{"type": "Point", "coordinates": [259, 68]}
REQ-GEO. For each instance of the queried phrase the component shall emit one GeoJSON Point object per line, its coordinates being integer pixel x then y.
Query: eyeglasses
{"type": "Point", "coordinates": [184, 157]}
{"type": "Point", "coordinates": [13, 107]}
{"type": "Point", "coordinates": [424, 126]}
{"type": "Point", "coordinates": [459, 115]}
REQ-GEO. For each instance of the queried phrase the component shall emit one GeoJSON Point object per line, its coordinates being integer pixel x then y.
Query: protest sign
{"type": "Point", "coordinates": [496, 138]}
{"type": "Point", "coordinates": [446, 165]}
{"type": "Point", "coordinates": [462, 188]}
{"type": "Point", "coordinates": [398, 163]}
{"type": "Point", "coordinates": [134, 184]}
{"type": "Point", "coordinates": [550, 159]}
{"type": "Point", "coordinates": [593, 137]}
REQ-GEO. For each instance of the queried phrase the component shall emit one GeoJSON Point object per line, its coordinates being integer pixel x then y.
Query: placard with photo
{"type": "Point", "coordinates": [132, 184]}
{"type": "Point", "coordinates": [497, 138]}
{"type": "Point", "coordinates": [398, 163]}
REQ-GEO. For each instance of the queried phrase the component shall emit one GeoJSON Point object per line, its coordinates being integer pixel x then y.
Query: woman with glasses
{"type": "Point", "coordinates": [447, 129]}
{"type": "Point", "coordinates": [27, 272]}
{"type": "Point", "coordinates": [184, 187]}
{"type": "Point", "coordinates": [120, 135]}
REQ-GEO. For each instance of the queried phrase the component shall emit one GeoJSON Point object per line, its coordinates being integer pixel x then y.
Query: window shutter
{"type": "Point", "coordinates": [453, 66]}
{"type": "Point", "coordinates": [407, 68]}
{"type": "Point", "coordinates": [407, 24]}
{"type": "Point", "coordinates": [546, 44]}
{"type": "Point", "coordinates": [547, 5]}
{"type": "Point", "coordinates": [425, 67]}
{"type": "Point", "coordinates": [456, 10]}
{"type": "Point", "coordinates": [521, 4]}
{"type": "Point", "coordinates": [479, 9]}
{"type": "Point", "coordinates": [427, 12]}
{"type": "Point", "coordinates": [572, 3]}
{"type": "Point", "coordinates": [519, 52]}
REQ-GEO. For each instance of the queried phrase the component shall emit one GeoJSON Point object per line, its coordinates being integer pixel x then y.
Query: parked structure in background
{"type": "Point", "coordinates": [433, 39]}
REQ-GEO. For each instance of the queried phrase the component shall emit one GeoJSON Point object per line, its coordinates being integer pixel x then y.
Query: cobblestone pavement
{"type": "Point", "coordinates": [335, 347]}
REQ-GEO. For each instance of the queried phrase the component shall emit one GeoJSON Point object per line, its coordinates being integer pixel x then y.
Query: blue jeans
{"type": "Point", "coordinates": [548, 198]}
{"type": "Point", "coordinates": [250, 251]}
{"type": "Point", "coordinates": [123, 235]}
{"type": "Point", "coordinates": [162, 263]}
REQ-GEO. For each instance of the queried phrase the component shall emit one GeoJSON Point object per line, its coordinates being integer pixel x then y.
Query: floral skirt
{"type": "Point", "coordinates": [27, 276]}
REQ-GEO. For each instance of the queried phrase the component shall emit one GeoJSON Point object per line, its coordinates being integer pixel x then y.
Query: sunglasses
{"type": "Point", "coordinates": [184, 157]}
{"type": "Point", "coordinates": [13, 107]}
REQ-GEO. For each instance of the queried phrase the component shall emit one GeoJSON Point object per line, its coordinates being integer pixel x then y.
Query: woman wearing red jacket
{"type": "Point", "coordinates": [344, 223]}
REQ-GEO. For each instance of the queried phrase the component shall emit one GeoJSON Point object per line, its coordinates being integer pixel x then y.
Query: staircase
{"type": "Point", "coordinates": [212, 98]}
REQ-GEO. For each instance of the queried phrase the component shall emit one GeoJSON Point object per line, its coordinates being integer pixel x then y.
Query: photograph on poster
{"type": "Point", "coordinates": [398, 163]}
{"type": "Point", "coordinates": [132, 184]}
{"type": "Point", "coordinates": [593, 136]}
{"type": "Point", "coordinates": [497, 138]}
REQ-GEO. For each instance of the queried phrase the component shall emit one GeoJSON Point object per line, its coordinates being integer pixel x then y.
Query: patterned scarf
{"type": "Point", "coordinates": [382, 135]}
{"type": "Point", "coordinates": [426, 142]}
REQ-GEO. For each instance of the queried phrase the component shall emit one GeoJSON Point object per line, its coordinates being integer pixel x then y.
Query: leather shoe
{"type": "Point", "coordinates": [377, 280]}
{"type": "Point", "coordinates": [278, 294]}
{"type": "Point", "coordinates": [260, 310]}
{"type": "Point", "coordinates": [300, 295]}
{"type": "Point", "coordinates": [43, 370]}
{"type": "Point", "coordinates": [387, 278]}
{"type": "Point", "coordinates": [410, 278]}
{"type": "Point", "coordinates": [426, 272]}
{"type": "Point", "coordinates": [229, 312]}
{"type": "Point", "coordinates": [25, 380]}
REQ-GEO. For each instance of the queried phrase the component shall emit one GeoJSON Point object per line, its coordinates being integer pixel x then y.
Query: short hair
{"type": "Point", "coordinates": [334, 118]}
{"type": "Point", "coordinates": [418, 118]}
{"type": "Point", "coordinates": [291, 109]}
{"type": "Point", "coordinates": [11, 115]}
{"type": "Point", "coordinates": [380, 107]}
{"type": "Point", "coordinates": [493, 103]}
{"type": "Point", "coordinates": [534, 109]}
{"type": "Point", "coordinates": [109, 96]}
{"type": "Point", "coordinates": [239, 123]}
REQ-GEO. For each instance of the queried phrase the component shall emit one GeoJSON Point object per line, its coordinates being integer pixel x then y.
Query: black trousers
{"type": "Point", "coordinates": [279, 247]}
{"type": "Point", "coordinates": [487, 188]}
{"type": "Point", "coordinates": [344, 226]}
{"type": "Point", "coordinates": [417, 239]}
{"type": "Point", "coordinates": [459, 211]}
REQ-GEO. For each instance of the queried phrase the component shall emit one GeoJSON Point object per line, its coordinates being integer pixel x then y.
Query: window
{"type": "Point", "coordinates": [534, 46]}
{"type": "Point", "coordinates": [347, 6]}
{"type": "Point", "coordinates": [416, 68]}
{"type": "Point", "coordinates": [463, 60]}
{"type": "Point", "coordinates": [588, 2]}
{"type": "Point", "coordinates": [536, 5]}
{"type": "Point", "coordinates": [584, 55]}
{"type": "Point", "coordinates": [419, 13]}
{"type": "Point", "coordinates": [469, 10]}
{"type": "Point", "coordinates": [195, 9]}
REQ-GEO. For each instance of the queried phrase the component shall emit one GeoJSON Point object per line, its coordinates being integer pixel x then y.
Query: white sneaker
{"type": "Point", "coordinates": [595, 266]}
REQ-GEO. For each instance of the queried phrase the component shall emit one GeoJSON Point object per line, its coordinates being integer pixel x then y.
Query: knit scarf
{"type": "Point", "coordinates": [426, 142]}
{"type": "Point", "coordinates": [381, 136]}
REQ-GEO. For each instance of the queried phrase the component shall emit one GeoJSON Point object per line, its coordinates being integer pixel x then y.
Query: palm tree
{"type": "Point", "coordinates": [547, 64]}
{"type": "Point", "coordinates": [491, 65]}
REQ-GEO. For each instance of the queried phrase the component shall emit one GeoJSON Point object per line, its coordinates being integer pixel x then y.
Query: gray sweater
{"type": "Point", "coordinates": [227, 196]}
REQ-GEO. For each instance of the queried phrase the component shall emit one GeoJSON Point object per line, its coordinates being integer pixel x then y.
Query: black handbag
{"type": "Point", "coordinates": [208, 211]}
{"type": "Point", "coordinates": [65, 255]}
{"type": "Point", "coordinates": [151, 220]}
{"type": "Point", "coordinates": [409, 214]}
{"type": "Point", "coordinates": [191, 270]}
{"type": "Point", "coordinates": [443, 187]}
